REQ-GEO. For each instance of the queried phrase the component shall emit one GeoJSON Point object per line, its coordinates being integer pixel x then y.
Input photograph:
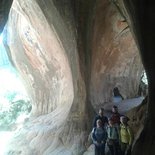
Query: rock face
{"type": "Point", "coordinates": [115, 58]}
{"type": "Point", "coordinates": [70, 55]}
{"type": "Point", "coordinates": [44, 49]}
{"type": "Point", "coordinates": [137, 118]}
{"type": "Point", "coordinates": [142, 23]}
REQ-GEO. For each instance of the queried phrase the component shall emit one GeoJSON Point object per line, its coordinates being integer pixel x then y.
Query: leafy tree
{"type": "Point", "coordinates": [8, 117]}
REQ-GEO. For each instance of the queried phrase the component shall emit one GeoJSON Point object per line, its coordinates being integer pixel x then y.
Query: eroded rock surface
{"type": "Point", "coordinates": [137, 118]}
{"type": "Point", "coordinates": [44, 50]}
{"type": "Point", "coordinates": [115, 57]}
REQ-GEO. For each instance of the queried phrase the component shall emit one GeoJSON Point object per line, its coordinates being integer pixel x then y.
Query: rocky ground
{"type": "Point", "coordinates": [125, 105]}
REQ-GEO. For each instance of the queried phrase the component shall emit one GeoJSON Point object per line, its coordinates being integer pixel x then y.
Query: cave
{"type": "Point", "coordinates": [71, 54]}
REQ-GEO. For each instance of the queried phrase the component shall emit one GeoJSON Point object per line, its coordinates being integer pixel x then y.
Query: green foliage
{"type": "Point", "coordinates": [8, 117]}
{"type": "Point", "coordinates": [14, 103]}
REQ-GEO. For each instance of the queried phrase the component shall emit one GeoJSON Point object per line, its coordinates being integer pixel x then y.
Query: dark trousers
{"type": "Point", "coordinates": [125, 149]}
{"type": "Point", "coordinates": [100, 149]}
{"type": "Point", "coordinates": [114, 148]}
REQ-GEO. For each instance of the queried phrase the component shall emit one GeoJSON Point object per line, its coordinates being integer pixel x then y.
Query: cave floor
{"type": "Point", "coordinates": [124, 105]}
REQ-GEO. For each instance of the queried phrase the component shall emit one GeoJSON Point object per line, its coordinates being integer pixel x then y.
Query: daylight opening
{"type": "Point", "coordinates": [15, 105]}
{"type": "Point", "coordinates": [143, 85]}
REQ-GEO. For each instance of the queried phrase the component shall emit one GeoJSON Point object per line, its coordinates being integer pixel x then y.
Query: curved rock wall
{"type": "Point", "coordinates": [141, 15]}
{"type": "Point", "coordinates": [68, 54]}
{"type": "Point", "coordinates": [44, 50]}
{"type": "Point", "coordinates": [115, 57]}
{"type": "Point", "coordinates": [39, 54]}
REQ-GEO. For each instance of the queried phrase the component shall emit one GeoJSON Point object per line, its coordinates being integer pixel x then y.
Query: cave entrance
{"type": "Point", "coordinates": [143, 85]}
{"type": "Point", "coordinates": [15, 105]}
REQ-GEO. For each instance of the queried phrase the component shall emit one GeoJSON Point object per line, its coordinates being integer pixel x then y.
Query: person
{"type": "Point", "coordinates": [113, 138]}
{"type": "Point", "coordinates": [117, 93]}
{"type": "Point", "coordinates": [126, 136]}
{"type": "Point", "coordinates": [100, 116]}
{"type": "Point", "coordinates": [99, 137]}
{"type": "Point", "coordinates": [115, 117]}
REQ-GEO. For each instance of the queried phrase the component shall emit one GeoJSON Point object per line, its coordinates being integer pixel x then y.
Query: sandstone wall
{"type": "Point", "coordinates": [115, 57]}
{"type": "Point", "coordinates": [44, 50]}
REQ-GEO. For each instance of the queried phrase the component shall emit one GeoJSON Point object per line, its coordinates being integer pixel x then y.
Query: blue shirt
{"type": "Point", "coordinates": [99, 134]}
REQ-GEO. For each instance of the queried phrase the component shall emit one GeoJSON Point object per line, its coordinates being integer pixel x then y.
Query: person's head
{"type": "Point", "coordinates": [99, 123]}
{"type": "Point", "coordinates": [101, 112]}
{"type": "Point", "coordinates": [124, 119]}
{"type": "Point", "coordinates": [115, 109]}
{"type": "Point", "coordinates": [111, 122]}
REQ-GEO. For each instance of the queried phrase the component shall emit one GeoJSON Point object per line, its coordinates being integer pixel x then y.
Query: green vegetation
{"type": "Point", "coordinates": [14, 104]}
{"type": "Point", "coordinates": [9, 117]}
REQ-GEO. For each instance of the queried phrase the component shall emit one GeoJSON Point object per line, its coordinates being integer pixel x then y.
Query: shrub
{"type": "Point", "coordinates": [8, 117]}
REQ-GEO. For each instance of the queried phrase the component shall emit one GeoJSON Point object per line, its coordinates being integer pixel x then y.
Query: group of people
{"type": "Point", "coordinates": [115, 132]}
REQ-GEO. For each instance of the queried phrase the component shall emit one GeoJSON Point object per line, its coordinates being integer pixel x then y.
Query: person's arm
{"type": "Point", "coordinates": [94, 121]}
{"type": "Point", "coordinates": [119, 133]}
{"type": "Point", "coordinates": [93, 135]}
{"type": "Point", "coordinates": [122, 97]}
{"type": "Point", "coordinates": [105, 136]}
{"type": "Point", "coordinates": [106, 120]}
{"type": "Point", "coordinates": [117, 128]}
{"type": "Point", "coordinates": [130, 135]}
